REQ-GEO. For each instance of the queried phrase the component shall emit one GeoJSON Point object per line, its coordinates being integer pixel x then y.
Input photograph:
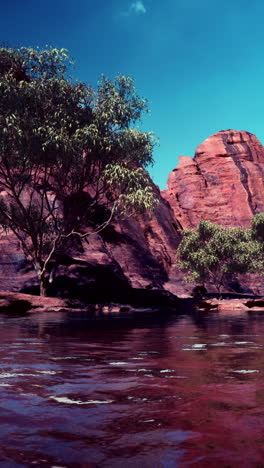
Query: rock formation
{"type": "Point", "coordinates": [223, 183]}
{"type": "Point", "coordinates": [137, 252]}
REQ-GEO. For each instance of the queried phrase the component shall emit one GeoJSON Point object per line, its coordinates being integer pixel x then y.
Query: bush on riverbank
{"type": "Point", "coordinates": [212, 253]}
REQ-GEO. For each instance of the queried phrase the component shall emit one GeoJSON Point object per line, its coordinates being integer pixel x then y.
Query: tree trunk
{"type": "Point", "coordinates": [43, 287]}
{"type": "Point", "coordinates": [42, 280]}
{"type": "Point", "coordinates": [219, 288]}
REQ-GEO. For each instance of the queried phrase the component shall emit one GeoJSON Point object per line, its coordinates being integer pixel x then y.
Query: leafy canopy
{"type": "Point", "coordinates": [62, 141]}
{"type": "Point", "coordinates": [213, 253]}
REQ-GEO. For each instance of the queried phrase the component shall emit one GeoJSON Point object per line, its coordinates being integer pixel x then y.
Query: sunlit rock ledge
{"type": "Point", "coordinates": [139, 301]}
{"type": "Point", "coordinates": [231, 305]}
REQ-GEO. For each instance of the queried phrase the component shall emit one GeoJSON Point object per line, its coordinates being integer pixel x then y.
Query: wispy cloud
{"type": "Point", "coordinates": [136, 8]}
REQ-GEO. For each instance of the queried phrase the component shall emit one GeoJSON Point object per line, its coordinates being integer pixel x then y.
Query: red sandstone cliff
{"type": "Point", "coordinates": [223, 183]}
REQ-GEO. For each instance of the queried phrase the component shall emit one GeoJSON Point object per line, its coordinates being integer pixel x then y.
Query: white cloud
{"type": "Point", "coordinates": [137, 7]}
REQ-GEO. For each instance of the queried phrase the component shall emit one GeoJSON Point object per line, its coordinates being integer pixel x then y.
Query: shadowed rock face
{"type": "Point", "coordinates": [224, 183]}
{"type": "Point", "coordinates": [137, 252]}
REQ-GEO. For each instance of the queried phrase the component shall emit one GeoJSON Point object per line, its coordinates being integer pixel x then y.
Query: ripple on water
{"type": "Point", "coordinates": [58, 404]}
{"type": "Point", "coordinates": [243, 342]}
{"type": "Point", "coordinates": [195, 347]}
{"type": "Point", "coordinates": [63, 358]}
{"type": "Point", "coordinates": [118, 363]}
{"type": "Point", "coordinates": [58, 466]}
{"type": "Point", "coordinates": [221, 343]}
{"type": "Point", "coordinates": [7, 375]}
{"type": "Point", "coordinates": [70, 401]}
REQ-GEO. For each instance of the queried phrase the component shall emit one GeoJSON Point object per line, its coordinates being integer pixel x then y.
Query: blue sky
{"type": "Point", "coordinates": [199, 63]}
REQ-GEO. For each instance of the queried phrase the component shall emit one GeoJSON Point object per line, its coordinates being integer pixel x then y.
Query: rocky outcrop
{"type": "Point", "coordinates": [223, 183]}
{"type": "Point", "coordinates": [231, 305]}
{"type": "Point", "coordinates": [19, 303]}
{"type": "Point", "coordinates": [137, 252]}
{"type": "Point", "coordinates": [131, 258]}
{"type": "Point", "coordinates": [15, 303]}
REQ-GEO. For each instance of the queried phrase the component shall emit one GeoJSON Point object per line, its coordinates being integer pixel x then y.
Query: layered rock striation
{"type": "Point", "coordinates": [223, 183]}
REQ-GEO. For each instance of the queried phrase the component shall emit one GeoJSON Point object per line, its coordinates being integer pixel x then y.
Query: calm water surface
{"type": "Point", "coordinates": [156, 392]}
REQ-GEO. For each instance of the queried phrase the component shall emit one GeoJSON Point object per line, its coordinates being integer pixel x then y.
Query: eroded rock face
{"type": "Point", "coordinates": [138, 252]}
{"type": "Point", "coordinates": [224, 183]}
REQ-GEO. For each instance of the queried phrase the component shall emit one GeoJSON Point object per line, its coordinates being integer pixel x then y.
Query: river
{"type": "Point", "coordinates": [142, 391]}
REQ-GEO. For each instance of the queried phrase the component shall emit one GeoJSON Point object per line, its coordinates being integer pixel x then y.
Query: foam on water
{"type": "Point", "coordinates": [195, 347]}
{"type": "Point", "coordinates": [79, 402]}
{"type": "Point", "coordinates": [118, 363]}
{"type": "Point", "coordinates": [7, 375]}
{"type": "Point", "coordinates": [243, 342]}
{"type": "Point", "coordinates": [64, 358]}
{"type": "Point", "coordinates": [199, 345]}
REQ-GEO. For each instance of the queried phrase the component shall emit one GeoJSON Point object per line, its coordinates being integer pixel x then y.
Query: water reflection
{"type": "Point", "coordinates": [144, 391]}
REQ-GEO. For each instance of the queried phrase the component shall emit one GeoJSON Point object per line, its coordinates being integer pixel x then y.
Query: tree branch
{"type": "Point", "coordinates": [96, 231]}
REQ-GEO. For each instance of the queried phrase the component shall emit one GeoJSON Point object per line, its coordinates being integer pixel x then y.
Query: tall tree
{"type": "Point", "coordinates": [65, 150]}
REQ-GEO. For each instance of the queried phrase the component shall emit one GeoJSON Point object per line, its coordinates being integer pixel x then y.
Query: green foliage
{"type": "Point", "coordinates": [137, 194]}
{"type": "Point", "coordinates": [214, 253]}
{"type": "Point", "coordinates": [257, 227]}
{"type": "Point", "coordinates": [60, 138]}
{"type": "Point", "coordinates": [26, 63]}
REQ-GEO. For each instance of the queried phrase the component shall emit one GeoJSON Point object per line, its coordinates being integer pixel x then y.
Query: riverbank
{"type": "Point", "coordinates": [151, 301]}
{"type": "Point", "coordinates": [14, 302]}
{"type": "Point", "coordinates": [223, 305]}
{"type": "Point", "coordinates": [154, 301]}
